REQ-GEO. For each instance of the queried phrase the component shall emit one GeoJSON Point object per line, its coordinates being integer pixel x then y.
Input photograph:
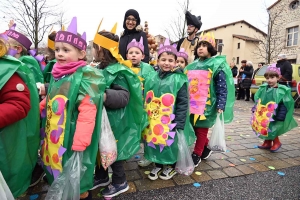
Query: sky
{"type": "Point", "coordinates": [159, 13]}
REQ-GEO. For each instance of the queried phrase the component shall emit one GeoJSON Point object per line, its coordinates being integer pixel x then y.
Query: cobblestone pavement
{"type": "Point", "coordinates": [242, 158]}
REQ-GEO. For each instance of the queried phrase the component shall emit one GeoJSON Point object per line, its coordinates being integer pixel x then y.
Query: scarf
{"type": "Point", "coordinates": [59, 70]}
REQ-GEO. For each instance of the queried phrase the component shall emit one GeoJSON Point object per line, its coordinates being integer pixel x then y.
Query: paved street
{"type": "Point", "coordinates": [243, 172]}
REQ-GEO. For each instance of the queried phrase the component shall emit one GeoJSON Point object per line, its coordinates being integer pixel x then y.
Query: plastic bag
{"type": "Point", "coordinates": [184, 164]}
{"type": "Point", "coordinates": [217, 139]}
{"type": "Point", "coordinates": [107, 142]}
{"type": "Point", "coordinates": [67, 184]}
{"type": "Point", "coordinates": [5, 193]}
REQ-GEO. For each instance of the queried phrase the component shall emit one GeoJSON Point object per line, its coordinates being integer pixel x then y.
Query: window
{"type": "Point", "coordinates": [262, 71]}
{"type": "Point", "coordinates": [218, 45]}
{"type": "Point", "coordinates": [237, 60]}
{"type": "Point", "coordinates": [239, 45]}
{"type": "Point", "coordinates": [292, 36]}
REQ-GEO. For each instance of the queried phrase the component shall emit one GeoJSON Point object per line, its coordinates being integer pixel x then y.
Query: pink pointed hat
{"type": "Point", "coordinates": [19, 37]}
{"type": "Point", "coordinates": [167, 47]}
{"type": "Point", "coordinates": [70, 36]}
{"type": "Point", "coordinates": [137, 44]}
{"type": "Point", "coordinates": [273, 68]}
{"type": "Point", "coordinates": [182, 53]}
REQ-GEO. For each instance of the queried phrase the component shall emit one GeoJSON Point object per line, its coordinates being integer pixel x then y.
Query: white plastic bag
{"type": "Point", "coordinates": [217, 139]}
{"type": "Point", "coordinates": [5, 193]}
{"type": "Point", "coordinates": [184, 164]}
{"type": "Point", "coordinates": [67, 185]}
{"type": "Point", "coordinates": [107, 142]}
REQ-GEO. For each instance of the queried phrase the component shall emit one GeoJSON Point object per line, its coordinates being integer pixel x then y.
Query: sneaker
{"type": "Point", "coordinates": [196, 159]}
{"type": "Point", "coordinates": [167, 174]}
{"type": "Point", "coordinates": [100, 182]}
{"type": "Point", "coordinates": [37, 175]}
{"type": "Point", "coordinates": [206, 153]}
{"type": "Point", "coordinates": [154, 173]}
{"type": "Point", "coordinates": [144, 162]}
{"type": "Point", "coordinates": [115, 189]}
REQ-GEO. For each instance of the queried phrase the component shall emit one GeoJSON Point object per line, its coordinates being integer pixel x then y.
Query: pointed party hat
{"type": "Point", "coordinates": [167, 47]}
{"type": "Point", "coordinates": [182, 53]}
{"type": "Point", "coordinates": [137, 44]}
{"type": "Point", "coordinates": [70, 36]}
{"type": "Point", "coordinates": [104, 41]}
{"type": "Point", "coordinates": [273, 68]}
{"type": "Point", "coordinates": [208, 37]}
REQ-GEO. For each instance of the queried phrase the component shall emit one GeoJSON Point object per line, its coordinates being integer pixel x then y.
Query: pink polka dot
{"type": "Point", "coordinates": [154, 139]}
{"type": "Point", "coordinates": [149, 112]}
{"type": "Point", "coordinates": [264, 123]}
{"type": "Point", "coordinates": [165, 136]}
{"type": "Point", "coordinates": [264, 131]}
{"type": "Point", "coordinates": [53, 137]}
{"type": "Point", "coordinates": [167, 100]}
{"type": "Point", "coordinates": [149, 97]}
{"type": "Point", "coordinates": [158, 129]}
{"type": "Point", "coordinates": [165, 119]}
{"type": "Point", "coordinates": [271, 107]}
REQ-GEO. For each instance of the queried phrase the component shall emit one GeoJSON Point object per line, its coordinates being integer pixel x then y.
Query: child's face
{"type": "Point", "coordinates": [12, 44]}
{"type": "Point", "coordinates": [180, 62]}
{"type": "Point", "coordinates": [166, 62]}
{"type": "Point", "coordinates": [66, 53]}
{"type": "Point", "coordinates": [135, 55]}
{"type": "Point", "coordinates": [203, 52]}
{"type": "Point", "coordinates": [272, 81]}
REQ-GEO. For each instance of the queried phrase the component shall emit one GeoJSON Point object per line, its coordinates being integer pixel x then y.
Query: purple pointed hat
{"type": "Point", "coordinates": [70, 36]}
{"type": "Point", "coordinates": [19, 37]}
{"type": "Point", "coordinates": [139, 44]}
{"type": "Point", "coordinates": [182, 53]}
{"type": "Point", "coordinates": [167, 47]}
{"type": "Point", "coordinates": [273, 68]}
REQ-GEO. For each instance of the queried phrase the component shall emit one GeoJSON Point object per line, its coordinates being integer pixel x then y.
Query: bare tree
{"type": "Point", "coordinates": [33, 17]}
{"type": "Point", "coordinates": [177, 28]}
{"type": "Point", "coordinates": [272, 44]}
{"type": "Point", "coordinates": [62, 21]}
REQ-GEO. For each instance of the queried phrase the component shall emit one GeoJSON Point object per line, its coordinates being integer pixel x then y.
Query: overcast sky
{"type": "Point", "coordinates": [159, 13]}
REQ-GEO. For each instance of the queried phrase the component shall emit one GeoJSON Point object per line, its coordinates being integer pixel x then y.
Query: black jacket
{"type": "Point", "coordinates": [286, 71]}
{"type": "Point", "coordinates": [246, 82]}
{"type": "Point", "coordinates": [234, 71]}
{"type": "Point", "coordinates": [127, 37]}
{"type": "Point", "coordinates": [182, 101]}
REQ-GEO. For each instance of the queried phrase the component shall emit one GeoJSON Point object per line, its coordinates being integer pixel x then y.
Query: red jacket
{"type": "Point", "coordinates": [14, 101]}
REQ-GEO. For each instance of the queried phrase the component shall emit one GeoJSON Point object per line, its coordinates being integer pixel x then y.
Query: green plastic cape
{"type": "Point", "coordinates": [213, 66]}
{"type": "Point", "coordinates": [146, 69]}
{"type": "Point", "coordinates": [47, 71]}
{"type": "Point", "coordinates": [19, 142]}
{"type": "Point", "coordinates": [267, 100]}
{"type": "Point", "coordinates": [127, 123]}
{"type": "Point", "coordinates": [64, 97]}
{"type": "Point", "coordinates": [160, 136]}
{"type": "Point", "coordinates": [34, 66]}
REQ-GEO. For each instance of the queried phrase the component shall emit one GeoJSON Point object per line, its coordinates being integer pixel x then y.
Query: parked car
{"type": "Point", "coordinates": [260, 79]}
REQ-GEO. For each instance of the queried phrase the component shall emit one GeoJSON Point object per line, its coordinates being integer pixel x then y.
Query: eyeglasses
{"type": "Point", "coordinates": [130, 19]}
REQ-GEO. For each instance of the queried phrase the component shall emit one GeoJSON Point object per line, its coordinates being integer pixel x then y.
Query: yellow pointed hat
{"type": "Point", "coordinates": [104, 41]}
{"type": "Point", "coordinates": [208, 37]}
{"type": "Point", "coordinates": [51, 43]}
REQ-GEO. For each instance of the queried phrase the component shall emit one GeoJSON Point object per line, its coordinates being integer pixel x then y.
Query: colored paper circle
{"type": "Point", "coordinates": [58, 106]}
{"type": "Point", "coordinates": [149, 97]}
{"type": "Point", "coordinates": [165, 136]}
{"type": "Point", "coordinates": [167, 100]}
{"type": "Point", "coordinates": [197, 185]}
{"type": "Point", "coordinates": [55, 158]}
{"type": "Point", "coordinates": [271, 107]}
{"type": "Point", "coordinates": [33, 197]}
{"type": "Point", "coordinates": [281, 173]}
{"type": "Point", "coordinates": [271, 167]}
{"type": "Point", "coordinates": [147, 172]}
{"type": "Point", "coordinates": [252, 159]}
{"type": "Point", "coordinates": [47, 159]}
{"type": "Point", "coordinates": [243, 160]}
{"type": "Point", "coordinates": [154, 139]}
{"type": "Point", "coordinates": [53, 137]}
{"type": "Point", "coordinates": [165, 119]}
{"type": "Point", "coordinates": [198, 173]}
{"type": "Point", "coordinates": [264, 123]}
{"type": "Point", "coordinates": [158, 129]}
{"type": "Point", "coordinates": [231, 165]}
{"type": "Point", "coordinates": [263, 131]}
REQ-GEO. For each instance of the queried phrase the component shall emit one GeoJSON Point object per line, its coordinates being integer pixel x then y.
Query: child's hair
{"type": "Point", "coordinates": [51, 52]}
{"type": "Point", "coordinates": [16, 43]}
{"type": "Point", "coordinates": [108, 57]}
{"type": "Point", "coordinates": [168, 53]}
{"type": "Point", "coordinates": [271, 74]}
{"type": "Point", "coordinates": [211, 50]}
{"type": "Point", "coordinates": [185, 61]}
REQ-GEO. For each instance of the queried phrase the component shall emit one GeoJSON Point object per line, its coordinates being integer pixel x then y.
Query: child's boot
{"type": "Point", "coordinates": [276, 145]}
{"type": "Point", "coordinates": [266, 145]}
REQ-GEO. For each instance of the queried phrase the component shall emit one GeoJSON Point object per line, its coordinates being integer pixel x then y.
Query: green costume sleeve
{"type": "Point", "coordinates": [126, 123]}
{"type": "Point", "coordinates": [19, 142]}
{"type": "Point", "coordinates": [47, 71]}
{"type": "Point", "coordinates": [34, 66]}
{"type": "Point", "coordinates": [146, 69]}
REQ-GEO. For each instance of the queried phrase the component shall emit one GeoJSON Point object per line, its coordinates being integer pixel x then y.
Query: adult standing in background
{"type": "Point", "coordinates": [258, 68]}
{"type": "Point", "coordinates": [191, 41]}
{"type": "Point", "coordinates": [286, 70]}
{"type": "Point", "coordinates": [241, 91]}
{"type": "Point", "coordinates": [247, 73]}
{"type": "Point", "coordinates": [234, 69]}
{"type": "Point", "coordinates": [133, 30]}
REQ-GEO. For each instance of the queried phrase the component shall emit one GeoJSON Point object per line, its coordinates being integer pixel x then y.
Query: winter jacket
{"type": "Point", "coordinates": [247, 77]}
{"type": "Point", "coordinates": [286, 70]}
{"type": "Point", "coordinates": [156, 67]}
{"type": "Point", "coordinates": [234, 71]}
{"type": "Point", "coordinates": [116, 97]}
{"type": "Point", "coordinates": [181, 103]}
{"type": "Point", "coordinates": [254, 73]}
{"type": "Point", "coordinates": [221, 90]}
{"type": "Point", "coordinates": [127, 37]}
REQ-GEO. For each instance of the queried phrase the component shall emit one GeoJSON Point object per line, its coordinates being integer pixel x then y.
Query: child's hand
{"type": "Point", "coordinates": [104, 97]}
{"type": "Point", "coordinates": [11, 23]}
{"type": "Point", "coordinates": [220, 111]}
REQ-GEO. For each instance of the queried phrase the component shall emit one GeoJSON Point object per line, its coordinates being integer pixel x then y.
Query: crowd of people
{"type": "Point", "coordinates": [52, 116]}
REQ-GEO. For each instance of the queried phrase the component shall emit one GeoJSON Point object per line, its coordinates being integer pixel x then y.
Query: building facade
{"type": "Point", "coordinates": [288, 25]}
{"type": "Point", "coordinates": [237, 40]}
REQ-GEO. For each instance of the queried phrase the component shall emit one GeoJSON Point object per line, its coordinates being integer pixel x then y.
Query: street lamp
{"type": "Point", "coordinates": [220, 45]}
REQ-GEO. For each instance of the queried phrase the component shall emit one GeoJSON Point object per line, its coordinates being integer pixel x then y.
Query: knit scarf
{"type": "Point", "coordinates": [59, 70]}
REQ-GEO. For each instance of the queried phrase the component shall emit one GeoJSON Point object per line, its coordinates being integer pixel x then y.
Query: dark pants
{"type": "Point", "coordinates": [162, 166]}
{"type": "Point", "coordinates": [241, 93]}
{"type": "Point", "coordinates": [118, 176]}
{"type": "Point", "coordinates": [202, 140]}
{"type": "Point", "coordinates": [247, 91]}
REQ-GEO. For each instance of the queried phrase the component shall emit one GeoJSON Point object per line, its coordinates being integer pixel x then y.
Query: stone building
{"type": "Point", "coordinates": [287, 26]}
